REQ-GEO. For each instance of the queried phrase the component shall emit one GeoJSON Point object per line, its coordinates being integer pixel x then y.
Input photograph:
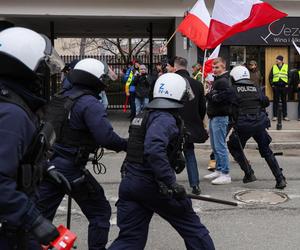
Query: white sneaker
{"type": "Point", "coordinates": [213, 175]}
{"type": "Point", "coordinates": [222, 179]}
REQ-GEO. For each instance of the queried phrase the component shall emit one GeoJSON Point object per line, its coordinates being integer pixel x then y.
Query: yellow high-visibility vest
{"type": "Point", "coordinates": [198, 76]}
{"type": "Point", "coordinates": [280, 73]}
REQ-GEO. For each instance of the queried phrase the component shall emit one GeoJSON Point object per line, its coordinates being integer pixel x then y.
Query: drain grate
{"type": "Point", "coordinates": [261, 197]}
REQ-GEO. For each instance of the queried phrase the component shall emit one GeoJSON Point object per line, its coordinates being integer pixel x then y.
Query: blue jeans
{"type": "Point", "coordinates": [218, 131]}
{"type": "Point", "coordinates": [140, 104]}
{"type": "Point", "coordinates": [191, 164]}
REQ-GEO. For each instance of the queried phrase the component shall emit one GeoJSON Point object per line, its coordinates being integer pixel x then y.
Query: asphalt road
{"type": "Point", "coordinates": [259, 227]}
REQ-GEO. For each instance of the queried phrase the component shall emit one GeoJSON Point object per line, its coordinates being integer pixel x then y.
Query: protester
{"type": "Point", "coordinates": [219, 105]}
{"type": "Point", "coordinates": [142, 89]}
{"type": "Point", "coordinates": [170, 65]}
{"type": "Point", "coordinates": [106, 80]}
{"type": "Point", "coordinates": [128, 78]}
{"type": "Point", "coordinates": [255, 75]}
{"type": "Point", "coordinates": [66, 70]}
{"type": "Point", "coordinates": [197, 72]}
{"type": "Point", "coordinates": [193, 122]}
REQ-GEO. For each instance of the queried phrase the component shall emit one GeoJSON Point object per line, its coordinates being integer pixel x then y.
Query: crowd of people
{"type": "Point", "coordinates": [43, 155]}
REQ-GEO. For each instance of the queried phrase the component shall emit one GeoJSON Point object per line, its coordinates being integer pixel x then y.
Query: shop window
{"type": "Point", "coordinates": [237, 55]}
{"type": "Point", "coordinates": [242, 55]}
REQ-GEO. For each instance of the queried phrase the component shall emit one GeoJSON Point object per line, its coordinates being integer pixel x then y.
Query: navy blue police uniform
{"type": "Point", "coordinates": [25, 140]}
{"type": "Point", "coordinates": [140, 191]}
{"type": "Point", "coordinates": [19, 127]}
{"type": "Point", "coordinates": [89, 121]}
{"type": "Point", "coordinates": [251, 120]}
{"type": "Point", "coordinates": [17, 210]}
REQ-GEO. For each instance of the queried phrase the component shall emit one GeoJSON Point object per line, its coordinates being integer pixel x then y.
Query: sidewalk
{"type": "Point", "coordinates": [287, 138]}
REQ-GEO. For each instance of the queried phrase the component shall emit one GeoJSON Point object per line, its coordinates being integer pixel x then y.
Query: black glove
{"type": "Point", "coordinates": [59, 178]}
{"type": "Point", "coordinates": [44, 231]}
{"type": "Point", "coordinates": [163, 189]}
{"type": "Point", "coordinates": [178, 191]}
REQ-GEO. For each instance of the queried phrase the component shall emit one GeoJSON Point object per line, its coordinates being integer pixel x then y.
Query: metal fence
{"type": "Point", "coordinates": [115, 91]}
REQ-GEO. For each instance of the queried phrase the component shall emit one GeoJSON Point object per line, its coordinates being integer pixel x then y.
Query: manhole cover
{"type": "Point", "coordinates": [261, 197]}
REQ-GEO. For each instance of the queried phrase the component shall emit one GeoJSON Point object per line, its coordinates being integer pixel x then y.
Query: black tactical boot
{"type": "Point", "coordinates": [196, 190]}
{"type": "Point", "coordinates": [281, 184]}
{"type": "Point", "coordinates": [250, 177]}
{"type": "Point", "coordinates": [276, 171]}
{"type": "Point", "coordinates": [246, 167]}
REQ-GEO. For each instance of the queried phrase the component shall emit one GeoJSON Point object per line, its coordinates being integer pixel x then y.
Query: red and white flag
{"type": "Point", "coordinates": [233, 16]}
{"type": "Point", "coordinates": [209, 61]}
{"type": "Point", "coordinates": [195, 25]}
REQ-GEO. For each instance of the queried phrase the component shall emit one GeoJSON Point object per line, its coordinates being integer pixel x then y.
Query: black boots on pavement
{"type": "Point", "coordinates": [277, 171]}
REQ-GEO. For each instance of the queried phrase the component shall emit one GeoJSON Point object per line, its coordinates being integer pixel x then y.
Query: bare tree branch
{"type": "Point", "coordinates": [139, 50]}
{"type": "Point", "coordinates": [138, 43]}
{"type": "Point", "coordinates": [105, 48]}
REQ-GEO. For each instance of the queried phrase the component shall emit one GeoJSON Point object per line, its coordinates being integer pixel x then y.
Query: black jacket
{"type": "Point", "coordinates": [194, 111]}
{"type": "Point", "coordinates": [142, 86]}
{"type": "Point", "coordinates": [220, 98]}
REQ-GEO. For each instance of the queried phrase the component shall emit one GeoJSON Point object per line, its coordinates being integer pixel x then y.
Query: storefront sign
{"type": "Point", "coordinates": [281, 32]}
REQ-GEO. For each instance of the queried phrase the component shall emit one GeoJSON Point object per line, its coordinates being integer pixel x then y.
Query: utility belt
{"type": "Point", "coordinates": [80, 158]}
{"type": "Point", "coordinates": [139, 173]}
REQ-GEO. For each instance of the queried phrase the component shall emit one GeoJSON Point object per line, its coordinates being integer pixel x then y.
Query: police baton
{"type": "Point", "coordinates": [69, 211]}
{"type": "Point", "coordinates": [209, 199]}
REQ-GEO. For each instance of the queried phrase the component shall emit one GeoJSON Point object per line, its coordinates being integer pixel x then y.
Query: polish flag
{"type": "Point", "coordinates": [209, 61]}
{"type": "Point", "coordinates": [233, 16]}
{"type": "Point", "coordinates": [195, 25]}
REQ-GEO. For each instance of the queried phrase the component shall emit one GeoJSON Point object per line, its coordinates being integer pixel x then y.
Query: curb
{"type": "Point", "coordinates": [251, 145]}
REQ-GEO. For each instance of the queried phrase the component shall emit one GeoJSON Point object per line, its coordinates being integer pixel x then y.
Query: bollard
{"type": "Point", "coordinates": [279, 116]}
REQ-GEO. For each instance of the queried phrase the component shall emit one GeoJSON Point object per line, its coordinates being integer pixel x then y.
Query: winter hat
{"type": "Point", "coordinates": [280, 58]}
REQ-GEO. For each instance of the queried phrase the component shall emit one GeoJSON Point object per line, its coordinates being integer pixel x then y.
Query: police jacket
{"type": "Point", "coordinates": [249, 106]}
{"type": "Point", "coordinates": [194, 111]}
{"type": "Point", "coordinates": [219, 99]}
{"type": "Point", "coordinates": [89, 115]}
{"type": "Point", "coordinates": [17, 130]}
{"type": "Point", "coordinates": [161, 129]}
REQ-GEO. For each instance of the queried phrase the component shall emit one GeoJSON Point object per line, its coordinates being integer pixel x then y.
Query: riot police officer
{"type": "Point", "coordinates": [251, 120]}
{"type": "Point", "coordinates": [149, 184]}
{"type": "Point", "coordinates": [81, 126]}
{"type": "Point", "coordinates": [26, 59]}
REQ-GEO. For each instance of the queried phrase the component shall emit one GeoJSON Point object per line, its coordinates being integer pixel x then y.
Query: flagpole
{"type": "Point", "coordinates": [169, 40]}
{"type": "Point", "coordinates": [203, 68]}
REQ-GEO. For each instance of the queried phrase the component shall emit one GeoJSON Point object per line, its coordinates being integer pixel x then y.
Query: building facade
{"type": "Point", "coordinates": [158, 19]}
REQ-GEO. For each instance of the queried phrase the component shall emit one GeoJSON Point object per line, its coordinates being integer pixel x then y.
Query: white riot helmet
{"type": "Point", "coordinates": [90, 72]}
{"type": "Point", "coordinates": [24, 53]}
{"type": "Point", "coordinates": [170, 92]}
{"type": "Point", "coordinates": [240, 73]}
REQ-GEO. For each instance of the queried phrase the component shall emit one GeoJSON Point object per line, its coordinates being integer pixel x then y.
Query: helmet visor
{"type": "Point", "coordinates": [54, 62]}
{"type": "Point", "coordinates": [109, 72]}
{"type": "Point", "coordinates": [52, 59]}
